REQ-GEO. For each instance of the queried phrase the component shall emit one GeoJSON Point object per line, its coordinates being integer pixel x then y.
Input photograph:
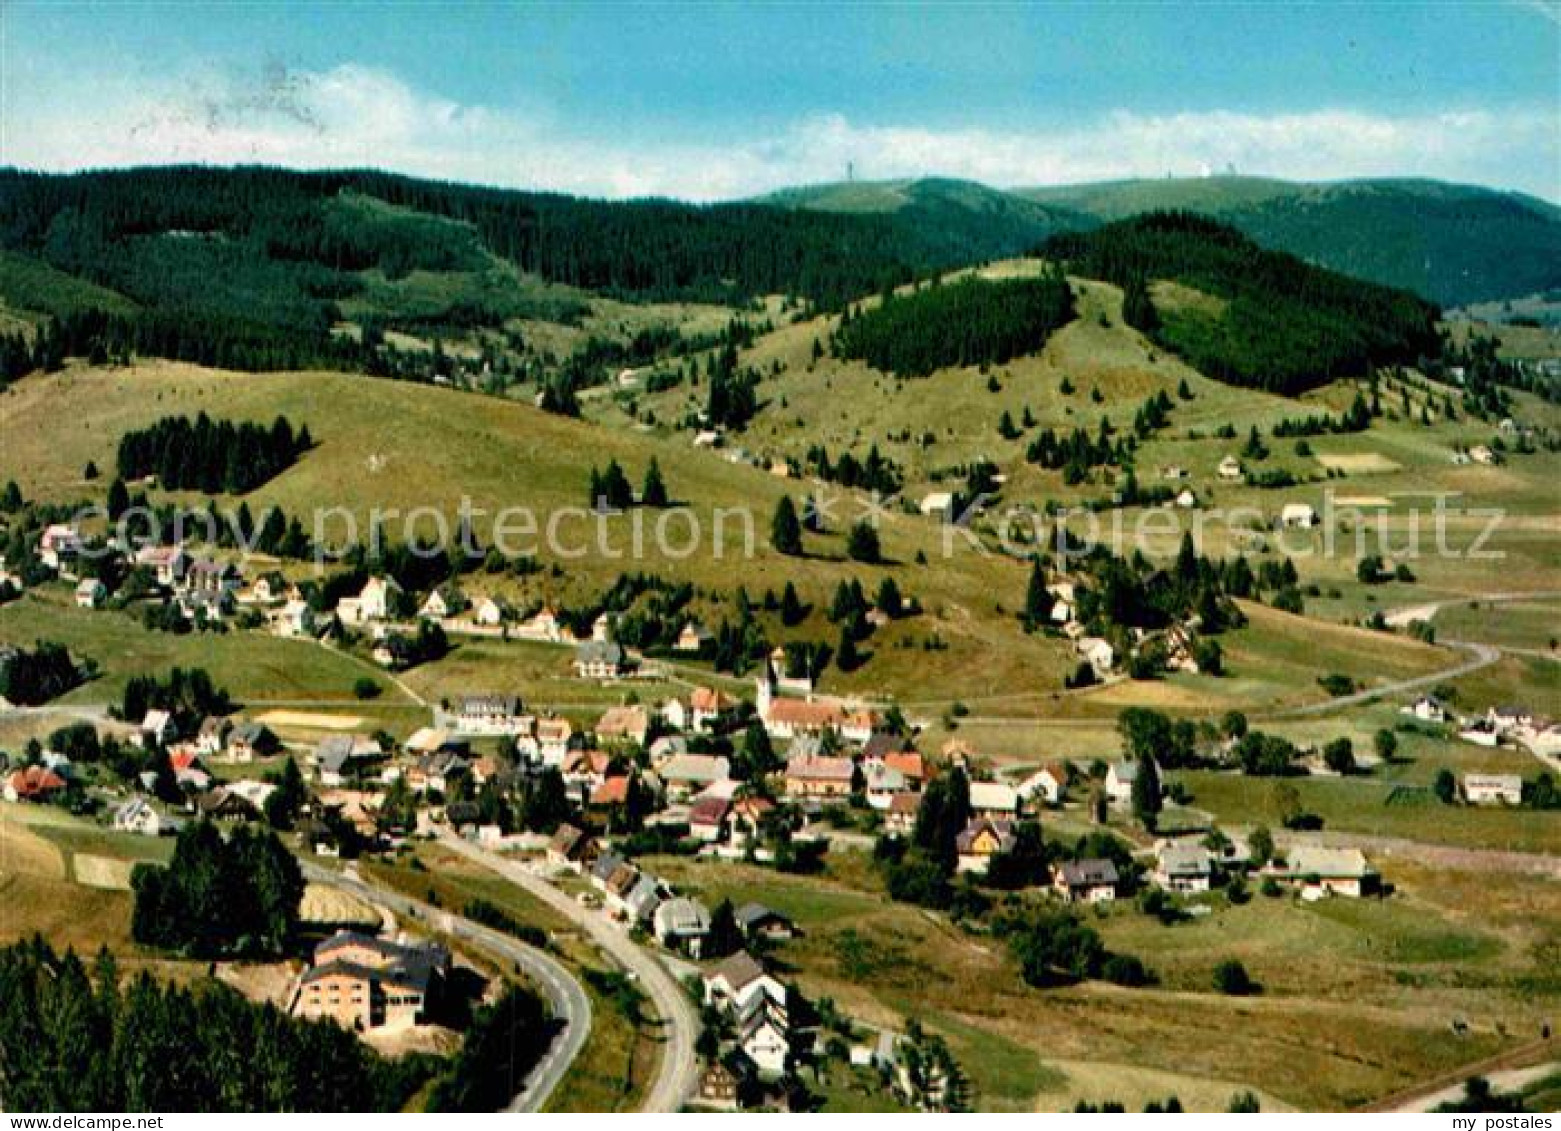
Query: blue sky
{"type": "Point", "coordinates": [709, 100]}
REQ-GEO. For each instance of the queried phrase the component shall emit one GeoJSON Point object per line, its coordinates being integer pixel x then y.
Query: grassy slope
{"type": "Point", "coordinates": [1356, 1001]}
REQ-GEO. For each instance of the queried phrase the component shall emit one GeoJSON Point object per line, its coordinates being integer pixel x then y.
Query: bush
{"type": "Point", "coordinates": [1231, 977]}
{"type": "Point", "coordinates": [367, 687]}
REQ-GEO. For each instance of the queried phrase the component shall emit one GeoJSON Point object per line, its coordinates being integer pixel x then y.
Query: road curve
{"type": "Point", "coordinates": [567, 998]}
{"type": "Point", "coordinates": [678, 1073]}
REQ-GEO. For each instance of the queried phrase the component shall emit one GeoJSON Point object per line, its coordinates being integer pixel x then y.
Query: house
{"type": "Point", "coordinates": [762, 1035]}
{"type": "Point", "coordinates": [1098, 653]}
{"type": "Point", "coordinates": [612, 793]}
{"type": "Point", "coordinates": [250, 740]}
{"type": "Point", "coordinates": [168, 564]}
{"type": "Point", "coordinates": [1049, 784]}
{"type": "Point", "coordinates": [1493, 789]}
{"type": "Point", "coordinates": [755, 920]}
{"type": "Point", "coordinates": [217, 578]}
{"type": "Point", "coordinates": [225, 804]}
{"type": "Point", "coordinates": [489, 716]}
{"type": "Point", "coordinates": [213, 734]}
{"type": "Point", "coordinates": [269, 588]}
{"type": "Point", "coordinates": [688, 774]}
{"type": "Point", "coordinates": [364, 983]}
{"type": "Point", "coordinates": [601, 659]}
{"type": "Point", "coordinates": [994, 800]}
{"type": "Point", "coordinates": [748, 817]}
{"type": "Point", "coordinates": [1183, 866]}
{"type": "Point", "coordinates": [1507, 718]}
{"type": "Point", "coordinates": [979, 841]}
{"type": "Point", "coordinates": [718, 1085]}
{"type": "Point", "coordinates": [296, 618]}
{"type": "Point", "coordinates": [341, 756]}
{"type": "Point", "coordinates": [900, 817]}
{"type": "Point", "coordinates": [1300, 516]}
{"type": "Point", "coordinates": [487, 612]}
{"type": "Point", "coordinates": [378, 599]}
{"type": "Point", "coordinates": [136, 816]}
{"type": "Point", "coordinates": [1480, 453]}
{"type": "Point", "coordinates": [33, 783]}
{"type": "Point", "coordinates": [1325, 871]}
{"type": "Point", "coordinates": [1120, 777]}
{"type": "Point", "coordinates": [883, 784]}
{"type": "Point", "coordinates": [734, 984]}
{"type": "Point", "coordinates": [59, 546]}
{"type": "Point", "coordinates": [938, 505]}
{"type": "Point", "coordinates": [436, 771]}
{"type": "Point", "coordinates": [709, 709]}
{"type": "Point", "coordinates": [555, 737]}
{"type": "Point", "coordinates": [257, 793]}
{"type": "Point", "coordinates": [1481, 733]}
{"type": "Point", "coordinates": [681, 924]}
{"type": "Point", "coordinates": [545, 625]}
{"type": "Point", "coordinates": [624, 723]}
{"type": "Point", "coordinates": [441, 604]}
{"type": "Point", "coordinates": [158, 729]}
{"type": "Point", "coordinates": [568, 847]}
{"type": "Point", "coordinates": [1186, 498]}
{"type": "Point", "coordinates": [90, 593]}
{"type": "Point", "coordinates": [819, 777]}
{"type": "Point", "coordinates": [707, 819]}
{"type": "Point", "coordinates": [693, 637]}
{"type": "Point", "coordinates": [1086, 881]}
{"type": "Point", "coordinates": [1230, 468]}
{"type": "Point", "coordinates": [1427, 708]}
{"type": "Point", "coordinates": [642, 900]}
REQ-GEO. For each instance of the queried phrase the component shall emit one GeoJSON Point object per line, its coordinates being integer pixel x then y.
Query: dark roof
{"type": "Point", "coordinates": [750, 915]}
{"type": "Point", "coordinates": [1088, 873]}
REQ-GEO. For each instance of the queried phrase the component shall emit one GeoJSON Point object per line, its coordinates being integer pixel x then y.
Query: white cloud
{"type": "Point", "coordinates": [356, 115]}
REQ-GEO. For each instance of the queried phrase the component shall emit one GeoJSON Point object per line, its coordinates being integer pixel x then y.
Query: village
{"type": "Point", "coordinates": [778, 779]}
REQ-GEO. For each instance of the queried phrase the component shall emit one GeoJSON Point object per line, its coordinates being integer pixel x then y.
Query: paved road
{"type": "Point", "coordinates": [1484, 655]}
{"type": "Point", "coordinates": [568, 999]}
{"type": "Point", "coordinates": [678, 1073]}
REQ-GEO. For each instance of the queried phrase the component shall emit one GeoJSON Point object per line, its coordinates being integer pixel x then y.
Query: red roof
{"type": "Point", "coordinates": [613, 791]}
{"type": "Point", "coordinates": [820, 769]}
{"type": "Point", "coordinates": [35, 781]}
{"type": "Point", "coordinates": [709, 699]}
{"type": "Point", "coordinates": [708, 811]}
{"type": "Point", "coordinates": [805, 713]}
{"type": "Point", "coordinates": [182, 760]}
{"type": "Point", "coordinates": [908, 763]}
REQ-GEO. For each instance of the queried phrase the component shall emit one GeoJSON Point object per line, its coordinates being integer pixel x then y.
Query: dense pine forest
{"type": "Point", "coordinates": [162, 236]}
{"type": "Point", "coordinates": [1285, 327]}
{"type": "Point", "coordinates": [78, 1040]}
{"type": "Point", "coordinates": [210, 455]}
{"type": "Point", "coordinates": [970, 322]}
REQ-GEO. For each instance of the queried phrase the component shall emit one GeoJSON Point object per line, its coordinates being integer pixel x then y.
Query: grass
{"type": "Point", "coordinates": [1358, 1003]}
{"type": "Point", "coordinates": [1360, 805]}
{"type": "Point", "coordinates": [253, 667]}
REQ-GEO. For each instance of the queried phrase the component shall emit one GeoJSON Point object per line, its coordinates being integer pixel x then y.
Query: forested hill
{"type": "Point", "coordinates": [958, 220]}
{"type": "Point", "coordinates": [147, 233]}
{"type": "Point", "coordinates": [1269, 321]}
{"type": "Point", "coordinates": [1454, 244]}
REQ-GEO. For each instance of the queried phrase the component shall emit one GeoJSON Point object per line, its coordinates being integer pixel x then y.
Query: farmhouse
{"type": "Point", "coordinates": [1230, 468]}
{"type": "Point", "coordinates": [1049, 784]}
{"type": "Point", "coordinates": [600, 659]}
{"type": "Point", "coordinates": [681, 924]}
{"type": "Point", "coordinates": [1183, 866]}
{"type": "Point", "coordinates": [1325, 871]}
{"type": "Point", "coordinates": [993, 799]}
{"type": "Point", "coordinates": [1298, 516]}
{"type": "Point", "coordinates": [90, 594]}
{"type": "Point", "coordinates": [624, 723]}
{"type": "Point", "coordinates": [136, 816]}
{"type": "Point", "coordinates": [693, 637]}
{"type": "Point", "coordinates": [1493, 789]}
{"type": "Point", "coordinates": [1120, 777]}
{"type": "Point", "coordinates": [686, 774]}
{"type": "Point", "coordinates": [33, 783]}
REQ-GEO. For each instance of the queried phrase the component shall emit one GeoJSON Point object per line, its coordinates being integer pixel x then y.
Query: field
{"type": "Point", "coordinates": [1357, 996]}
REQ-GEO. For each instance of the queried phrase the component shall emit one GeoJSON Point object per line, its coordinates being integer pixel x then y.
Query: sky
{"type": "Point", "coordinates": [708, 101]}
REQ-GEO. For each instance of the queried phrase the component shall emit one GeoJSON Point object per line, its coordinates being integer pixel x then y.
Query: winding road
{"type": "Point", "coordinates": [568, 1000]}
{"type": "Point", "coordinates": [678, 1073]}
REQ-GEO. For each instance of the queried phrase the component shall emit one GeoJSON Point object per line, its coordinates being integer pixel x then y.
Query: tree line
{"type": "Point", "coordinates": [211, 455]}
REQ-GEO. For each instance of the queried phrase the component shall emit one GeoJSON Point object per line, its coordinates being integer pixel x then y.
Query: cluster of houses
{"type": "Point", "coordinates": [1505, 725]}
{"type": "Point", "coordinates": [204, 590]}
